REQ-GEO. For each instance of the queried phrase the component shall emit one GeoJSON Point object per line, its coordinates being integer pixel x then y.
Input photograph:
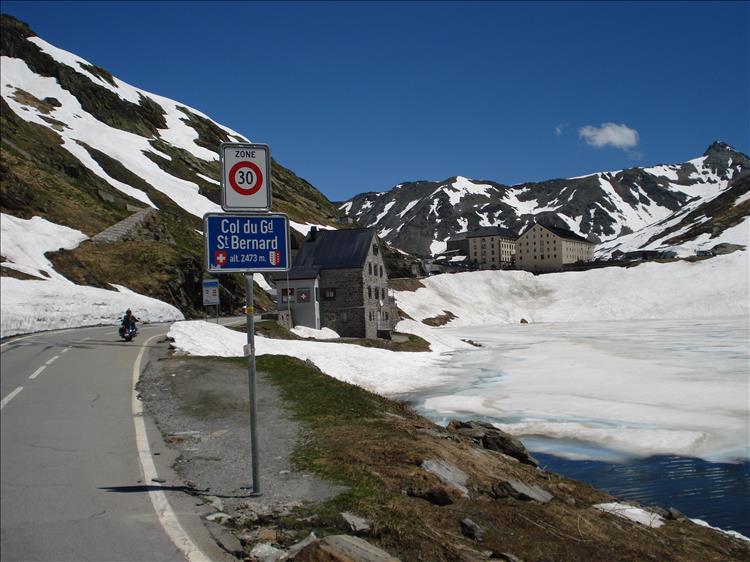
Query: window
{"type": "Point", "coordinates": [377, 293]}
{"type": "Point", "coordinates": [369, 269]}
{"type": "Point", "coordinates": [329, 294]}
{"type": "Point", "coordinates": [375, 248]}
{"type": "Point", "coordinates": [287, 294]}
{"type": "Point", "coordinates": [369, 292]}
{"type": "Point", "coordinates": [381, 270]}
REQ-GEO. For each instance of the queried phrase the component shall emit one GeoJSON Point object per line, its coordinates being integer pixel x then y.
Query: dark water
{"type": "Point", "coordinates": [718, 493]}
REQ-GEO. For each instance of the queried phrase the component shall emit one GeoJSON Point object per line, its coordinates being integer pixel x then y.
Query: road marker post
{"type": "Point", "coordinates": [251, 241]}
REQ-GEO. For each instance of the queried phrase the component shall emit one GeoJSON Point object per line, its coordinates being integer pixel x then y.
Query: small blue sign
{"type": "Point", "coordinates": [246, 243]}
{"type": "Point", "coordinates": [211, 292]}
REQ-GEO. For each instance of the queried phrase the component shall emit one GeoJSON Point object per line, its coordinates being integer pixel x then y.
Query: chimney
{"type": "Point", "coordinates": [313, 234]}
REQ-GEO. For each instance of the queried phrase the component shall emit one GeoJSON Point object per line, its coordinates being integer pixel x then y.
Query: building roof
{"type": "Point", "coordinates": [335, 249]}
{"type": "Point", "coordinates": [561, 232]}
{"type": "Point", "coordinates": [330, 249]}
{"type": "Point", "coordinates": [487, 231]}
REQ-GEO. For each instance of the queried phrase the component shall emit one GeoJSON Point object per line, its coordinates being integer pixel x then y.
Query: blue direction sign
{"type": "Point", "coordinates": [246, 243]}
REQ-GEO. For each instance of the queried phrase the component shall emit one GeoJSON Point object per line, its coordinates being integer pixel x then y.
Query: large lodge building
{"type": "Point", "coordinates": [542, 249]}
{"type": "Point", "coordinates": [539, 249]}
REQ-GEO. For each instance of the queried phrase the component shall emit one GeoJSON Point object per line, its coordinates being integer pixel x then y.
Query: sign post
{"type": "Point", "coordinates": [211, 295]}
{"type": "Point", "coordinates": [254, 240]}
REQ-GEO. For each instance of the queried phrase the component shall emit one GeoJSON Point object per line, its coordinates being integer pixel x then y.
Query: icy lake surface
{"type": "Point", "coordinates": [608, 402]}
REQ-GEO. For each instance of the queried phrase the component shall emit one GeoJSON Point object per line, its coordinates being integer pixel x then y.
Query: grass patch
{"type": "Point", "coordinates": [412, 343]}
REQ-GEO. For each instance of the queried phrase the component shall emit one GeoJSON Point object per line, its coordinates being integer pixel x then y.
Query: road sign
{"type": "Point", "coordinates": [211, 292]}
{"type": "Point", "coordinates": [246, 243]}
{"type": "Point", "coordinates": [245, 177]}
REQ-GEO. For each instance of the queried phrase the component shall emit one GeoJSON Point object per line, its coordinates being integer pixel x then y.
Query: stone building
{"type": "Point", "coordinates": [492, 247]}
{"type": "Point", "coordinates": [542, 249]}
{"type": "Point", "coordinates": [338, 281]}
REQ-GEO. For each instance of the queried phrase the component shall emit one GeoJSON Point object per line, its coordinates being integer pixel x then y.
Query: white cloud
{"type": "Point", "coordinates": [612, 134]}
{"type": "Point", "coordinates": [559, 130]}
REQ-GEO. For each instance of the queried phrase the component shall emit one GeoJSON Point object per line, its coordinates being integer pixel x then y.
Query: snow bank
{"type": "Point", "coordinates": [35, 306]}
{"type": "Point", "coordinates": [382, 371]}
{"type": "Point", "coordinates": [24, 242]}
{"type": "Point", "coordinates": [632, 513]}
{"type": "Point", "coordinates": [322, 334]}
{"type": "Point", "coordinates": [734, 534]}
{"type": "Point", "coordinates": [708, 288]}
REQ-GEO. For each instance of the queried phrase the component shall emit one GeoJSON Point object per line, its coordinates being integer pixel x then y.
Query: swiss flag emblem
{"type": "Point", "coordinates": [274, 257]}
{"type": "Point", "coordinates": [220, 258]}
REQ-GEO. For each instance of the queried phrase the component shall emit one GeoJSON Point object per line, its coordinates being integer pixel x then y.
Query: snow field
{"type": "Point", "coordinates": [24, 242]}
{"type": "Point", "coordinates": [35, 306]}
{"type": "Point", "coordinates": [378, 370]}
{"type": "Point", "coordinates": [709, 288]}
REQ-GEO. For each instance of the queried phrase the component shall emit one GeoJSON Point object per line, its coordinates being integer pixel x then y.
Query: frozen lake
{"type": "Point", "coordinates": [594, 397]}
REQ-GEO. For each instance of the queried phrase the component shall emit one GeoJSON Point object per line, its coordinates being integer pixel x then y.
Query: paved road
{"type": "Point", "coordinates": [71, 476]}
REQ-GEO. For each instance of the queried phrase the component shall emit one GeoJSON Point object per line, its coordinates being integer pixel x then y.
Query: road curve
{"type": "Point", "coordinates": [71, 476]}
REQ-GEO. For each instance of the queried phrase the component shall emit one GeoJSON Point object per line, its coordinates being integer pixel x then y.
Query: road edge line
{"type": "Point", "coordinates": [166, 515]}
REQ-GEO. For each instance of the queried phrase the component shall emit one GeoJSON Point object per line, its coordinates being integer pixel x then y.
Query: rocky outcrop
{"type": "Point", "coordinates": [489, 437]}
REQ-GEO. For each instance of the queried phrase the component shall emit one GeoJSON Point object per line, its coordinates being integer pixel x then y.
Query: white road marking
{"type": "Point", "coordinates": [64, 350]}
{"type": "Point", "coordinates": [165, 513]}
{"type": "Point", "coordinates": [10, 397]}
{"type": "Point", "coordinates": [35, 374]}
{"type": "Point", "coordinates": [55, 358]}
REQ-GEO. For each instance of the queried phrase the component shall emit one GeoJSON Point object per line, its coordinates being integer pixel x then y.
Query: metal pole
{"type": "Point", "coordinates": [251, 382]}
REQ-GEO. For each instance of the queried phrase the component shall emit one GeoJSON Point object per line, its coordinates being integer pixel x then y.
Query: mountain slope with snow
{"type": "Point", "coordinates": [83, 150]}
{"type": "Point", "coordinates": [419, 217]}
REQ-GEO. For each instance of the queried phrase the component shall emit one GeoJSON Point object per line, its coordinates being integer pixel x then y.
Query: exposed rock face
{"type": "Point", "coordinates": [519, 490]}
{"type": "Point", "coordinates": [419, 217]}
{"type": "Point", "coordinates": [494, 439]}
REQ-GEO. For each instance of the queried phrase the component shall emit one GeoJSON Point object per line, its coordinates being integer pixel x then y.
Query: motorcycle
{"type": "Point", "coordinates": [127, 333]}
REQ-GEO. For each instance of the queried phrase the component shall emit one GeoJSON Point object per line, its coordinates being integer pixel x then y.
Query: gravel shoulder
{"type": "Point", "coordinates": [201, 407]}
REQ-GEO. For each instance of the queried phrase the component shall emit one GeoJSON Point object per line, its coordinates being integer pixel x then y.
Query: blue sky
{"type": "Point", "coordinates": [359, 97]}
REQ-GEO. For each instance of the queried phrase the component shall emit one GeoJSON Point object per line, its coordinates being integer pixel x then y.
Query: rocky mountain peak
{"type": "Point", "coordinates": [721, 148]}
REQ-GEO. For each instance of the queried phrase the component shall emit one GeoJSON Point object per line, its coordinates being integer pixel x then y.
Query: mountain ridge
{"type": "Point", "coordinates": [420, 216]}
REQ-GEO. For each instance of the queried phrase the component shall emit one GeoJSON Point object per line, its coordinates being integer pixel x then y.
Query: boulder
{"type": "Point", "coordinates": [264, 552]}
{"type": "Point", "coordinates": [471, 530]}
{"type": "Point", "coordinates": [494, 439]}
{"type": "Point", "coordinates": [356, 523]}
{"type": "Point", "coordinates": [448, 474]}
{"type": "Point", "coordinates": [342, 548]}
{"type": "Point", "coordinates": [436, 495]}
{"type": "Point", "coordinates": [519, 490]}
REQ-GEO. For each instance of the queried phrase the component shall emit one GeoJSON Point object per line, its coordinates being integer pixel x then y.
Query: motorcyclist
{"type": "Point", "coordinates": [129, 320]}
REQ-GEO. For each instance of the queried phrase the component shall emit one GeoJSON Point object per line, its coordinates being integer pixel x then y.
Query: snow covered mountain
{"type": "Point", "coordinates": [83, 150]}
{"type": "Point", "coordinates": [660, 206]}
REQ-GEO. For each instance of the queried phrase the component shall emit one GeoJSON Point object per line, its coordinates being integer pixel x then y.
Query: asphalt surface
{"type": "Point", "coordinates": [72, 483]}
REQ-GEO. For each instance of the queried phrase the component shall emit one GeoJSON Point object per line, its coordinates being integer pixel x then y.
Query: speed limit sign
{"type": "Point", "coordinates": [245, 177]}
